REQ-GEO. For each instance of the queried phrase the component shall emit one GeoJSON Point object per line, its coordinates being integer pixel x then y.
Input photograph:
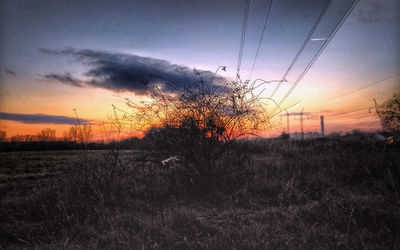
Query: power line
{"type": "Point", "coordinates": [369, 85]}
{"type": "Point", "coordinates": [364, 87]}
{"type": "Point", "coordinates": [320, 51]}
{"type": "Point", "coordinates": [244, 28]}
{"type": "Point", "coordinates": [261, 38]}
{"type": "Point", "coordinates": [358, 110]}
{"type": "Point", "coordinates": [358, 116]}
{"type": "Point", "coordinates": [344, 113]}
{"type": "Point", "coordinates": [284, 109]}
{"type": "Point", "coordinates": [327, 4]}
{"type": "Point", "coordinates": [376, 94]}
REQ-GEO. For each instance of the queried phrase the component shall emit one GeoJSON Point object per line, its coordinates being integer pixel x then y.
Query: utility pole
{"type": "Point", "coordinates": [301, 124]}
{"type": "Point", "coordinates": [322, 126]}
{"type": "Point", "coordinates": [376, 106]}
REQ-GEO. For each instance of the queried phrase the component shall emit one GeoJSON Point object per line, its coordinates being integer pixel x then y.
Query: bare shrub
{"type": "Point", "coordinates": [200, 122]}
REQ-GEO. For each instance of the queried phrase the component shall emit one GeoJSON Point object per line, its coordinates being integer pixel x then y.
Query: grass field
{"type": "Point", "coordinates": [320, 194]}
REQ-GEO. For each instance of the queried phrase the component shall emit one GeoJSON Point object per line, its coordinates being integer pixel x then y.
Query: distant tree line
{"type": "Point", "coordinates": [130, 143]}
{"type": "Point", "coordinates": [73, 134]}
{"type": "Point", "coordinates": [75, 138]}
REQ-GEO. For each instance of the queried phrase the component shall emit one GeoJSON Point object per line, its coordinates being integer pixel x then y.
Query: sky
{"type": "Point", "coordinates": [57, 56]}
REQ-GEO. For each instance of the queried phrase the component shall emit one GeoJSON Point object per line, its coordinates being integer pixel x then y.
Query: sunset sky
{"type": "Point", "coordinates": [57, 56]}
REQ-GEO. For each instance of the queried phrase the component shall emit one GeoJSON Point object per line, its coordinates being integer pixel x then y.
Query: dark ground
{"type": "Point", "coordinates": [320, 194]}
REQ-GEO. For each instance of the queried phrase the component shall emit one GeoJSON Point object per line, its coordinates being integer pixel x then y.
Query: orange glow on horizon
{"type": "Point", "coordinates": [95, 104]}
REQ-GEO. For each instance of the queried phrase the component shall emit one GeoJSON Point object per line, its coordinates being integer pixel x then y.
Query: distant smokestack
{"type": "Point", "coordinates": [322, 126]}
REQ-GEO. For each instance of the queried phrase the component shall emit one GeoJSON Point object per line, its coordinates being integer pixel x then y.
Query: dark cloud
{"type": "Point", "coordinates": [65, 78]}
{"type": "Point", "coordinates": [42, 118]}
{"type": "Point", "coordinates": [377, 11]}
{"type": "Point", "coordinates": [10, 72]}
{"type": "Point", "coordinates": [126, 72]}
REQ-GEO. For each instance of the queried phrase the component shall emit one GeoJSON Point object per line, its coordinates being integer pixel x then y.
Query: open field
{"type": "Point", "coordinates": [320, 194]}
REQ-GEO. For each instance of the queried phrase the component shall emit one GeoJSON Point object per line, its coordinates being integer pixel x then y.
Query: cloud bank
{"type": "Point", "coordinates": [125, 72]}
{"type": "Point", "coordinates": [42, 118]}
{"type": "Point", "coordinates": [65, 78]}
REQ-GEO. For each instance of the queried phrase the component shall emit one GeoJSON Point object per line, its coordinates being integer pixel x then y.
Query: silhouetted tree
{"type": "Point", "coordinates": [47, 134]}
{"type": "Point", "coordinates": [2, 135]}
{"type": "Point", "coordinates": [71, 134]}
{"type": "Point", "coordinates": [389, 113]}
{"type": "Point", "coordinates": [77, 133]}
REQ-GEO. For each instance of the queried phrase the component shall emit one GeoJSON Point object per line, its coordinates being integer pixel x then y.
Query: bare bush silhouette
{"type": "Point", "coordinates": [389, 113]}
{"type": "Point", "coordinates": [224, 111]}
{"type": "Point", "coordinates": [200, 122]}
{"type": "Point", "coordinates": [47, 134]}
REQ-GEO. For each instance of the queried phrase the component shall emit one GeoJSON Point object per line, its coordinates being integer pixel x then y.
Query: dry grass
{"type": "Point", "coordinates": [323, 194]}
